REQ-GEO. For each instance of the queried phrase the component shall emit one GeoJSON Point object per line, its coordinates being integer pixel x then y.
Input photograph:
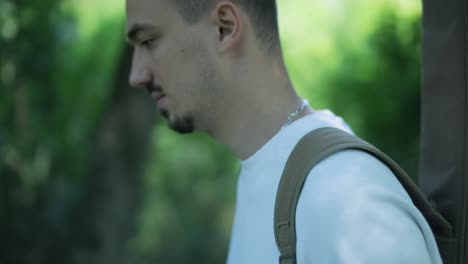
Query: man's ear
{"type": "Point", "coordinates": [230, 25]}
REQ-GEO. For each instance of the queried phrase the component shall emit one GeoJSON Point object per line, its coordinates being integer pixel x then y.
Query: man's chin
{"type": "Point", "coordinates": [182, 129]}
{"type": "Point", "coordinates": [182, 125]}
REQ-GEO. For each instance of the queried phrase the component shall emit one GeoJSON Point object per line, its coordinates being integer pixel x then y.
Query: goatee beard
{"type": "Point", "coordinates": [182, 125]}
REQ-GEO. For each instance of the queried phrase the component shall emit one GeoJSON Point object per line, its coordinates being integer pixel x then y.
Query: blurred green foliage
{"type": "Point", "coordinates": [59, 69]}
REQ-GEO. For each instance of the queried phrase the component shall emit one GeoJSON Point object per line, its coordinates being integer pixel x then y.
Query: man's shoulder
{"type": "Point", "coordinates": [355, 204]}
{"type": "Point", "coordinates": [346, 176]}
{"type": "Point", "coordinates": [347, 171]}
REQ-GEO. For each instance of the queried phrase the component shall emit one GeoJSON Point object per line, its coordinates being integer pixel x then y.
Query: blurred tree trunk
{"type": "Point", "coordinates": [113, 195]}
{"type": "Point", "coordinates": [444, 133]}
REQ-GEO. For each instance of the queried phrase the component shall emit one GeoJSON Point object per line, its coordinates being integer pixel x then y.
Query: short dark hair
{"type": "Point", "coordinates": [263, 14]}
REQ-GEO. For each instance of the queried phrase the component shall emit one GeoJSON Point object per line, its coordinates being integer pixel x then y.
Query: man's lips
{"type": "Point", "coordinates": [157, 96]}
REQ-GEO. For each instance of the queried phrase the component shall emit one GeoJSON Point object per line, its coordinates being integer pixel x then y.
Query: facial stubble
{"type": "Point", "coordinates": [180, 124]}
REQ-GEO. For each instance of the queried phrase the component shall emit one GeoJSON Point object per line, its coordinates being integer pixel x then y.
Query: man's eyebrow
{"type": "Point", "coordinates": [136, 29]}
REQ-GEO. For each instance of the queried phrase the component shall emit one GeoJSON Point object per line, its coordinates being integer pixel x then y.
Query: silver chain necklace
{"type": "Point", "coordinates": [294, 114]}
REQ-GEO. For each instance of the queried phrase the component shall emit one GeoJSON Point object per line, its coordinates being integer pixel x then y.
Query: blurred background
{"type": "Point", "coordinates": [89, 173]}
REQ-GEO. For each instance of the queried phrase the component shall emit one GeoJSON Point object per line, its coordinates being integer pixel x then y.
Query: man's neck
{"type": "Point", "coordinates": [251, 128]}
{"type": "Point", "coordinates": [257, 107]}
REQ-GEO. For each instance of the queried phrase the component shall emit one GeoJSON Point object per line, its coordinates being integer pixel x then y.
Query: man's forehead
{"type": "Point", "coordinates": [147, 11]}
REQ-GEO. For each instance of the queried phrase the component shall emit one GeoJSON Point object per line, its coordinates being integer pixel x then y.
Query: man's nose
{"type": "Point", "coordinates": [140, 75]}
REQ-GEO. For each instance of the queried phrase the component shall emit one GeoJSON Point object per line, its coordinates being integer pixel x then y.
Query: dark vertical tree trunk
{"type": "Point", "coordinates": [444, 145]}
{"type": "Point", "coordinates": [114, 185]}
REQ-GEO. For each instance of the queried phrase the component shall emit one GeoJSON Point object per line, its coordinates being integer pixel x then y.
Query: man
{"type": "Point", "coordinates": [216, 66]}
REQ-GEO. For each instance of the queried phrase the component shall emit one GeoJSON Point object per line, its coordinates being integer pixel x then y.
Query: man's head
{"type": "Point", "coordinates": [189, 53]}
{"type": "Point", "coordinates": [262, 14]}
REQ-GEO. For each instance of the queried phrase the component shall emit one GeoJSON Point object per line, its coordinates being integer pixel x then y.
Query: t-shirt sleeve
{"type": "Point", "coordinates": [353, 210]}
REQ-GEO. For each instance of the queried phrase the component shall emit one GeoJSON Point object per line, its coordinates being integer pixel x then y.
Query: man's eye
{"type": "Point", "coordinates": [147, 43]}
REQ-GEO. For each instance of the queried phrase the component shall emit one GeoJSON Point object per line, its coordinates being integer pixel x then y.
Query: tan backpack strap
{"type": "Point", "coordinates": [311, 149]}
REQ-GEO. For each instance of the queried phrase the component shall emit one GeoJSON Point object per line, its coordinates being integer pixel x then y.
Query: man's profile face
{"type": "Point", "coordinates": [172, 60]}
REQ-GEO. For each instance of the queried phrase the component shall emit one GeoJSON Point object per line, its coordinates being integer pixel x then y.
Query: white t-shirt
{"type": "Point", "coordinates": [352, 209]}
